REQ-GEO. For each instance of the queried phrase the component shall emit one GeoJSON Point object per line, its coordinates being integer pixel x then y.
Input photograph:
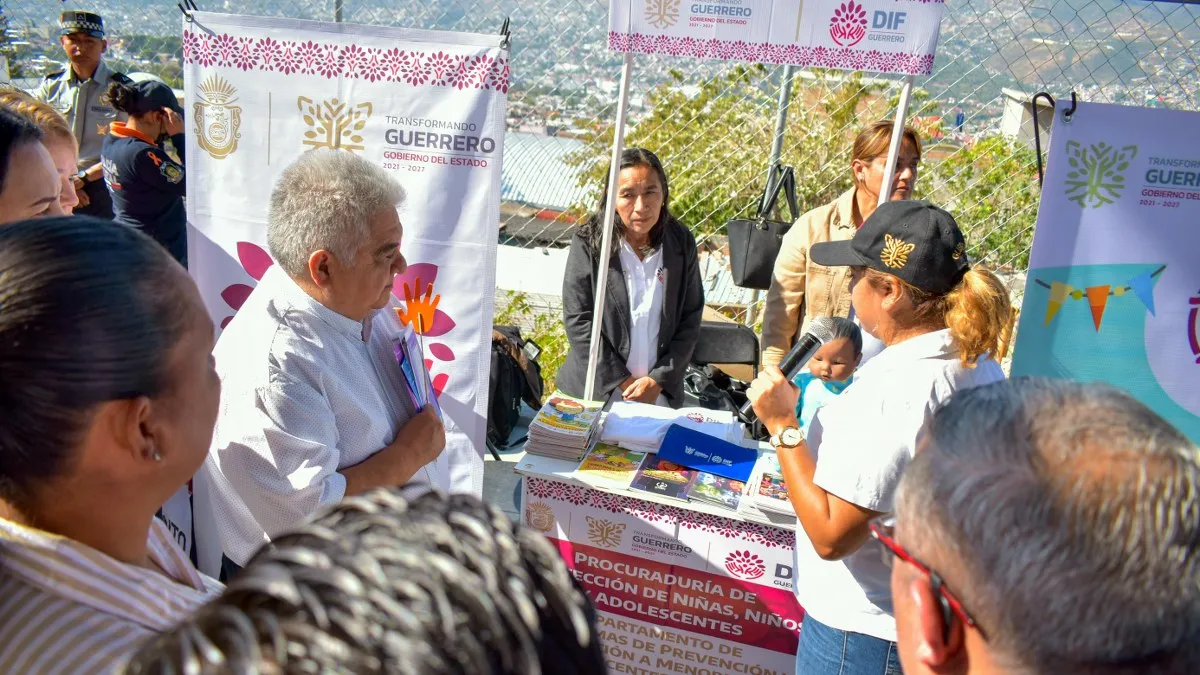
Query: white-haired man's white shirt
{"type": "Point", "coordinates": [306, 392]}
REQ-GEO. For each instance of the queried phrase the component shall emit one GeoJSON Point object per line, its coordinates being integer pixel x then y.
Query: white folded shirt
{"type": "Point", "coordinates": [641, 426]}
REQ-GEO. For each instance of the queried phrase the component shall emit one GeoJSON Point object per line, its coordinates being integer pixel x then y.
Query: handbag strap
{"type": "Point", "coordinates": [784, 181]}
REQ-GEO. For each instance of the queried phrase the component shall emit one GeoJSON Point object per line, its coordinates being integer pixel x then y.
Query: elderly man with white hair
{"type": "Point", "coordinates": [314, 406]}
{"type": "Point", "coordinates": [1048, 527]}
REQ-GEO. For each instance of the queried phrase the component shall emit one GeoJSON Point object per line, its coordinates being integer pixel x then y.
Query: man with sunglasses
{"type": "Point", "coordinates": [1047, 527]}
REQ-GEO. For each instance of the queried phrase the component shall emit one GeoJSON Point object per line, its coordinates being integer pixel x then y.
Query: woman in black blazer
{"type": "Point", "coordinates": [654, 302]}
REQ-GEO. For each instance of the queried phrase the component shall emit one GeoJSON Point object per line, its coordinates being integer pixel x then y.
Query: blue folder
{"type": "Point", "coordinates": [698, 450]}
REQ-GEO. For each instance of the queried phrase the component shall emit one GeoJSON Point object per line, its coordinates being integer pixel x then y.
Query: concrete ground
{"type": "Point", "coordinates": [500, 482]}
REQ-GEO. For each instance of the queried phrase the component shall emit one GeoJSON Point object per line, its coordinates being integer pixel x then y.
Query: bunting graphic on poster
{"type": "Point", "coordinates": [1058, 295]}
{"type": "Point", "coordinates": [1129, 248]}
{"type": "Point", "coordinates": [1098, 296]}
{"type": "Point", "coordinates": [1098, 299]}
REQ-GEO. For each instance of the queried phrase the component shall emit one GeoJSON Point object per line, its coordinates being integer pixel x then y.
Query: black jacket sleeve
{"type": "Point", "coordinates": [158, 171]}
{"type": "Point", "coordinates": [672, 364]}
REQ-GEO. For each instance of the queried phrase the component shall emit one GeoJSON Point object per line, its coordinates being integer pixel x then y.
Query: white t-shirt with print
{"type": "Point", "coordinates": [862, 441]}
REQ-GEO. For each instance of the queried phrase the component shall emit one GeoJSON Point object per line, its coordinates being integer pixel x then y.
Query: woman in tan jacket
{"type": "Point", "coordinates": [801, 289]}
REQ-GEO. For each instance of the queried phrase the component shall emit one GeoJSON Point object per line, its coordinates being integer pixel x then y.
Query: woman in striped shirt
{"type": "Point", "coordinates": [109, 397]}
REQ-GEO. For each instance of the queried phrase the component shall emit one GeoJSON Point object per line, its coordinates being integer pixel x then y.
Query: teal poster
{"type": "Point", "coordinates": [1113, 292]}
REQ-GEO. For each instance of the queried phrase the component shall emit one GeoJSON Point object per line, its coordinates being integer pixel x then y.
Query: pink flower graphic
{"type": "Point", "coordinates": [288, 62]}
{"type": "Point", "coordinates": [329, 63]}
{"type": "Point", "coordinates": [373, 69]}
{"type": "Point", "coordinates": [245, 56]}
{"type": "Point", "coordinates": [203, 51]}
{"type": "Point", "coordinates": [190, 43]}
{"type": "Point", "coordinates": [414, 69]}
{"type": "Point", "coordinates": [745, 565]}
{"type": "Point", "coordinates": [256, 262]}
{"type": "Point", "coordinates": [849, 24]}
{"type": "Point", "coordinates": [268, 52]}
{"type": "Point", "coordinates": [224, 47]}
{"type": "Point", "coordinates": [308, 53]}
{"type": "Point", "coordinates": [441, 68]}
{"type": "Point", "coordinates": [498, 75]}
{"type": "Point", "coordinates": [352, 57]}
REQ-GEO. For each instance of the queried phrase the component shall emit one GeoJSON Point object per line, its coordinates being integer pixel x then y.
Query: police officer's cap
{"type": "Point", "coordinates": [74, 21]}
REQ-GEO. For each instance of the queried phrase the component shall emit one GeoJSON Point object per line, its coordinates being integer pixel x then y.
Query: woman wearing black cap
{"type": "Point", "coordinates": [941, 320]}
{"type": "Point", "coordinates": [147, 186]}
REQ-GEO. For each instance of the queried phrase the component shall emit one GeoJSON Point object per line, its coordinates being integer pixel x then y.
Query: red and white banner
{"type": "Point", "coordinates": [674, 587]}
{"type": "Point", "coordinates": [881, 36]}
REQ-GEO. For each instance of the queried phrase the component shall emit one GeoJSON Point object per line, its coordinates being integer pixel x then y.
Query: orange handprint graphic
{"type": "Point", "coordinates": [419, 310]}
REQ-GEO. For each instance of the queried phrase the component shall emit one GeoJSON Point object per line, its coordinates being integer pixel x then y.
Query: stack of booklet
{"type": "Point", "coordinates": [618, 468]}
{"type": "Point", "coordinates": [564, 427]}
{"type": "Point", "coordinates": [768, 492]}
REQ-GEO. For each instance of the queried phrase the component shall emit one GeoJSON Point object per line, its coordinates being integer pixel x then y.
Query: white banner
{"type": "Point", "coordinates": [427, 106]}
{"type": "Point", "coordinates": [881, 36]}
{"type": "Point", "coordinates": [1113, 292]}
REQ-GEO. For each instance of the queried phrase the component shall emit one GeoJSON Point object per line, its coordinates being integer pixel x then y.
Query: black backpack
{"type": "Point", "coordinates": [515, 376]}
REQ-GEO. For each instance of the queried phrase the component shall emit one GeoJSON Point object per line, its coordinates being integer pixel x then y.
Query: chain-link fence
{"type": "Point", "coordinates": [712, 122]}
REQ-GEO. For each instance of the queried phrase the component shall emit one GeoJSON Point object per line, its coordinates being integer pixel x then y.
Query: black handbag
{"type": "Point", "coordinates": [754, 244]}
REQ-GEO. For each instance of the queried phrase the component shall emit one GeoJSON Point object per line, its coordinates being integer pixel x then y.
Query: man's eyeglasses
{"type": "Point", "coordinates": [885, 533]}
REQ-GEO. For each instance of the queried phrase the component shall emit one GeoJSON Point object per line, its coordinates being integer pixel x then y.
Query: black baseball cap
{"type": "Point", "coordinates": [73, 21]}
{"type": "Point", "coordinates": [152, 96]}
{"type": "Point", "coordinates": [912, 240]}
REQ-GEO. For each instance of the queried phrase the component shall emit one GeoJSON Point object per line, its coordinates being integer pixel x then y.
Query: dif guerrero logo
{"type": "Point", "coordinates": [848, 26]}
{"type": "Point", "coordinates": [745, 565]}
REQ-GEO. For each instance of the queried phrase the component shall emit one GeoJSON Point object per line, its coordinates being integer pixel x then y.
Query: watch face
{"type": "Point", "coordinates": [791, 437]}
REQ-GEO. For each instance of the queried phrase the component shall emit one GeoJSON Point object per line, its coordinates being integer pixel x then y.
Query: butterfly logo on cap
{"type": "Point", "coordinates": [895, 252]}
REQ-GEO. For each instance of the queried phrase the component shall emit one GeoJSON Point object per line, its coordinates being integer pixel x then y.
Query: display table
{"type": "Point", "coordinates": [680, 587]}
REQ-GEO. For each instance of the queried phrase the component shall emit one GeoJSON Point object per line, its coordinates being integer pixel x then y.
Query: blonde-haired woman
{"type": "Point", "coordinates": [802, 289]}
{"type": "Point", "coordinates": [56, 136]}
{"type": "Point", "coordinates": [941, 320]}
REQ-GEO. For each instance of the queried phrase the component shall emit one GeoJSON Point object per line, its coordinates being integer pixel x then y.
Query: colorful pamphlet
{"type": "Point", "coordinates": [664, 478]}
{"type": "Point", "coordinates": [717, 490]}
{"type": "Point", "coordinates": [417, 381]}
{"type": "Point", "coordinates": [611, 465]}
{"type": "Point", "coordinates": [564, 427]}
{"type": "Point", "coordinates": [770, 491]}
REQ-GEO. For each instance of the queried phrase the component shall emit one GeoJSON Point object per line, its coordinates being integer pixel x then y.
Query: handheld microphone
{"type": "Point", "coordinates": [819, 332]}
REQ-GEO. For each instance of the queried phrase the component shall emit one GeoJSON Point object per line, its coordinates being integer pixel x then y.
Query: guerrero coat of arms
{"type": "Point", "coordinates": [217, 119]}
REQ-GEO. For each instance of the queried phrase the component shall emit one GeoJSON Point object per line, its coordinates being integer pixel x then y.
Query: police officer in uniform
{"type": "Point", "coordinates": [78, 93]}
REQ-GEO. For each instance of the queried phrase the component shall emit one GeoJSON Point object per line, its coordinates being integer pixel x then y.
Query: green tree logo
{"type": "Point", "coordinates": [1097, 173]}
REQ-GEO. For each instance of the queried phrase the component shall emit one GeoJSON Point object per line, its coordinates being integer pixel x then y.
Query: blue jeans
{"type": "Point", "coordinates": [829, 651]}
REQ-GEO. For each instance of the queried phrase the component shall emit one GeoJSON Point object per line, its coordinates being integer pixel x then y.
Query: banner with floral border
{"type": "Point", "coordinates": [427, 106]}
{"type": "Point", "coordinates": [881, 36]}
{"type": "Point", "coordinates": [672, 585]}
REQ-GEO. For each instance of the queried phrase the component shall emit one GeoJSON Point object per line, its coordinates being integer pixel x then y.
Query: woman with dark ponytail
{"type": "Point", "coordinates": [108, 397]}
{"type": "Point", "coordinates": [147, 186]}
{"type": "Point", "coordinates": [652, 312]}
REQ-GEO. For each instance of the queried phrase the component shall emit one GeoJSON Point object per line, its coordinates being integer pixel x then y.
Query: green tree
{"type": "Point", "coordinates": [991, 188]}
{"type": "Point", "coordinates": [714, 143]}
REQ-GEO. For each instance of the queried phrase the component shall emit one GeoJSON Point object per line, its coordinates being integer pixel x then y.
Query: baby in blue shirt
{"type": "Point", "coordinates": [831, 369]}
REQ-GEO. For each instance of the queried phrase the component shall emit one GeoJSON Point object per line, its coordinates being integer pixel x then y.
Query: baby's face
{"type": "Point", "coordinates": [835, 361]}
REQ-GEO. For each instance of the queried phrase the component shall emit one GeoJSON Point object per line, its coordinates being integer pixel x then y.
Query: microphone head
{"type": "Point", "coordinates": [824, 328]}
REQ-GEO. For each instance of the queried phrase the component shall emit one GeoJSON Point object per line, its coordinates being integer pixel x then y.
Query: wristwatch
{"type": "Point", "coordinates": [82, 176]}
{"type": "Point", "coordinates": [788, 438]}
